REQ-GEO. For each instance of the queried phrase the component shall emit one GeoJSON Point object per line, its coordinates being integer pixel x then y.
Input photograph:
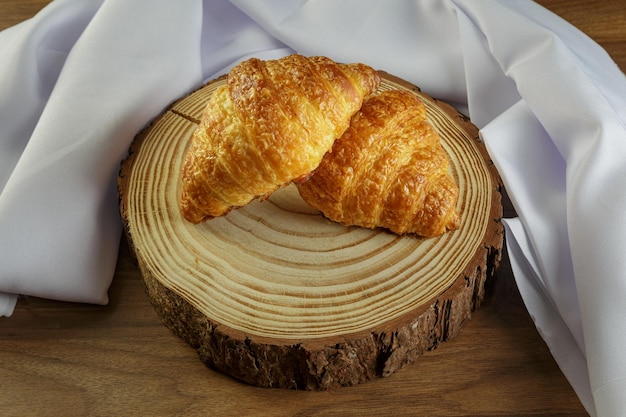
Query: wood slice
{"type": "Point", "coordinates": [276, 295]}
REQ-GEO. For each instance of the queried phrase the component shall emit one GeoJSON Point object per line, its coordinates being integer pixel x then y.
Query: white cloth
{"type": "Point", "coordinates": [82, 77]}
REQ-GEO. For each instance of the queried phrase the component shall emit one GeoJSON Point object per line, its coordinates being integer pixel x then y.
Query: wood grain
{"type": "Point", "coordinates": [59, 359]}
{"type": "Point", "coordinates": [305, 302]}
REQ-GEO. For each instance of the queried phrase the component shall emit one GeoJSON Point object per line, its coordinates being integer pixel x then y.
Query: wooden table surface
{"type": "Point", "coordinates": [72, 359]}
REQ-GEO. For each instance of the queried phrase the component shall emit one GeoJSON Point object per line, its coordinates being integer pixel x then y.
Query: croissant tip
{"type": "Point", "coordinates": [196, 218]}
{"type": "Point", "coordinates": [455, 222]}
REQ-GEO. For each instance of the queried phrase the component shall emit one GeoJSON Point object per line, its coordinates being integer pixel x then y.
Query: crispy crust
{"type": "Point", "coordinates": [387, 170]}
{"type": "Point", "coordinates": [270, 125]}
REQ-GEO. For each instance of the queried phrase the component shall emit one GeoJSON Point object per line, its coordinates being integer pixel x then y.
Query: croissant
{"type": "Point", "coordinates": [387, 170]}
{"type": "Point", "coordinates": [269, 125]}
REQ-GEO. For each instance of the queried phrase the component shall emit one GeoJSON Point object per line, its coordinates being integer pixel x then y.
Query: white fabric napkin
{"type": "Point", "coordinates": [80, 79]}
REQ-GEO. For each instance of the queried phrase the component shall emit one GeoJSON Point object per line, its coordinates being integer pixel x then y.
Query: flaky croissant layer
{"type": "Point", "coordinates": [387, 170]}
{"type": "Point", "coordinates": [271, 124]}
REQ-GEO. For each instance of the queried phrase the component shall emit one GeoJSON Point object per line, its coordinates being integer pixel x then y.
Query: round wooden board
{"type": "Point", "coordinates": [276, 295]}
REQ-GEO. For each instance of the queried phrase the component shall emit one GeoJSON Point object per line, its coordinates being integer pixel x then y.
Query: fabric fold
{"type": "Point", "coordinates": [545, 314]}
{"type": "Point", "coordinates": [584, 121]}
{"type": "Point", "coordinates": [58, 210]}
{"type": "Point", "coordinates": [33, 55]}
{"type": "Point", "coordinates": [417, 41]}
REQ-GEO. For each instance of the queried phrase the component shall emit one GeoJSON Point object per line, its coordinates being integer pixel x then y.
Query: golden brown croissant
{"type": "Point", "coordinates": [271, 124]}
{"type": "Point", "coordinates": [387, 170]}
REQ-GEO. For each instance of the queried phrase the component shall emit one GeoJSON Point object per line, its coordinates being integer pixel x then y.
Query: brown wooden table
{"type": "Point", "coordinates": [72, 359]}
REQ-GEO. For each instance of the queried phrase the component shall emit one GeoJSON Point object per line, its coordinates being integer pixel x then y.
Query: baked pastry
{"type": "Point", "coordinates": [271, 124]}
{"type": "Point", "coordinates": [387, 170]}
